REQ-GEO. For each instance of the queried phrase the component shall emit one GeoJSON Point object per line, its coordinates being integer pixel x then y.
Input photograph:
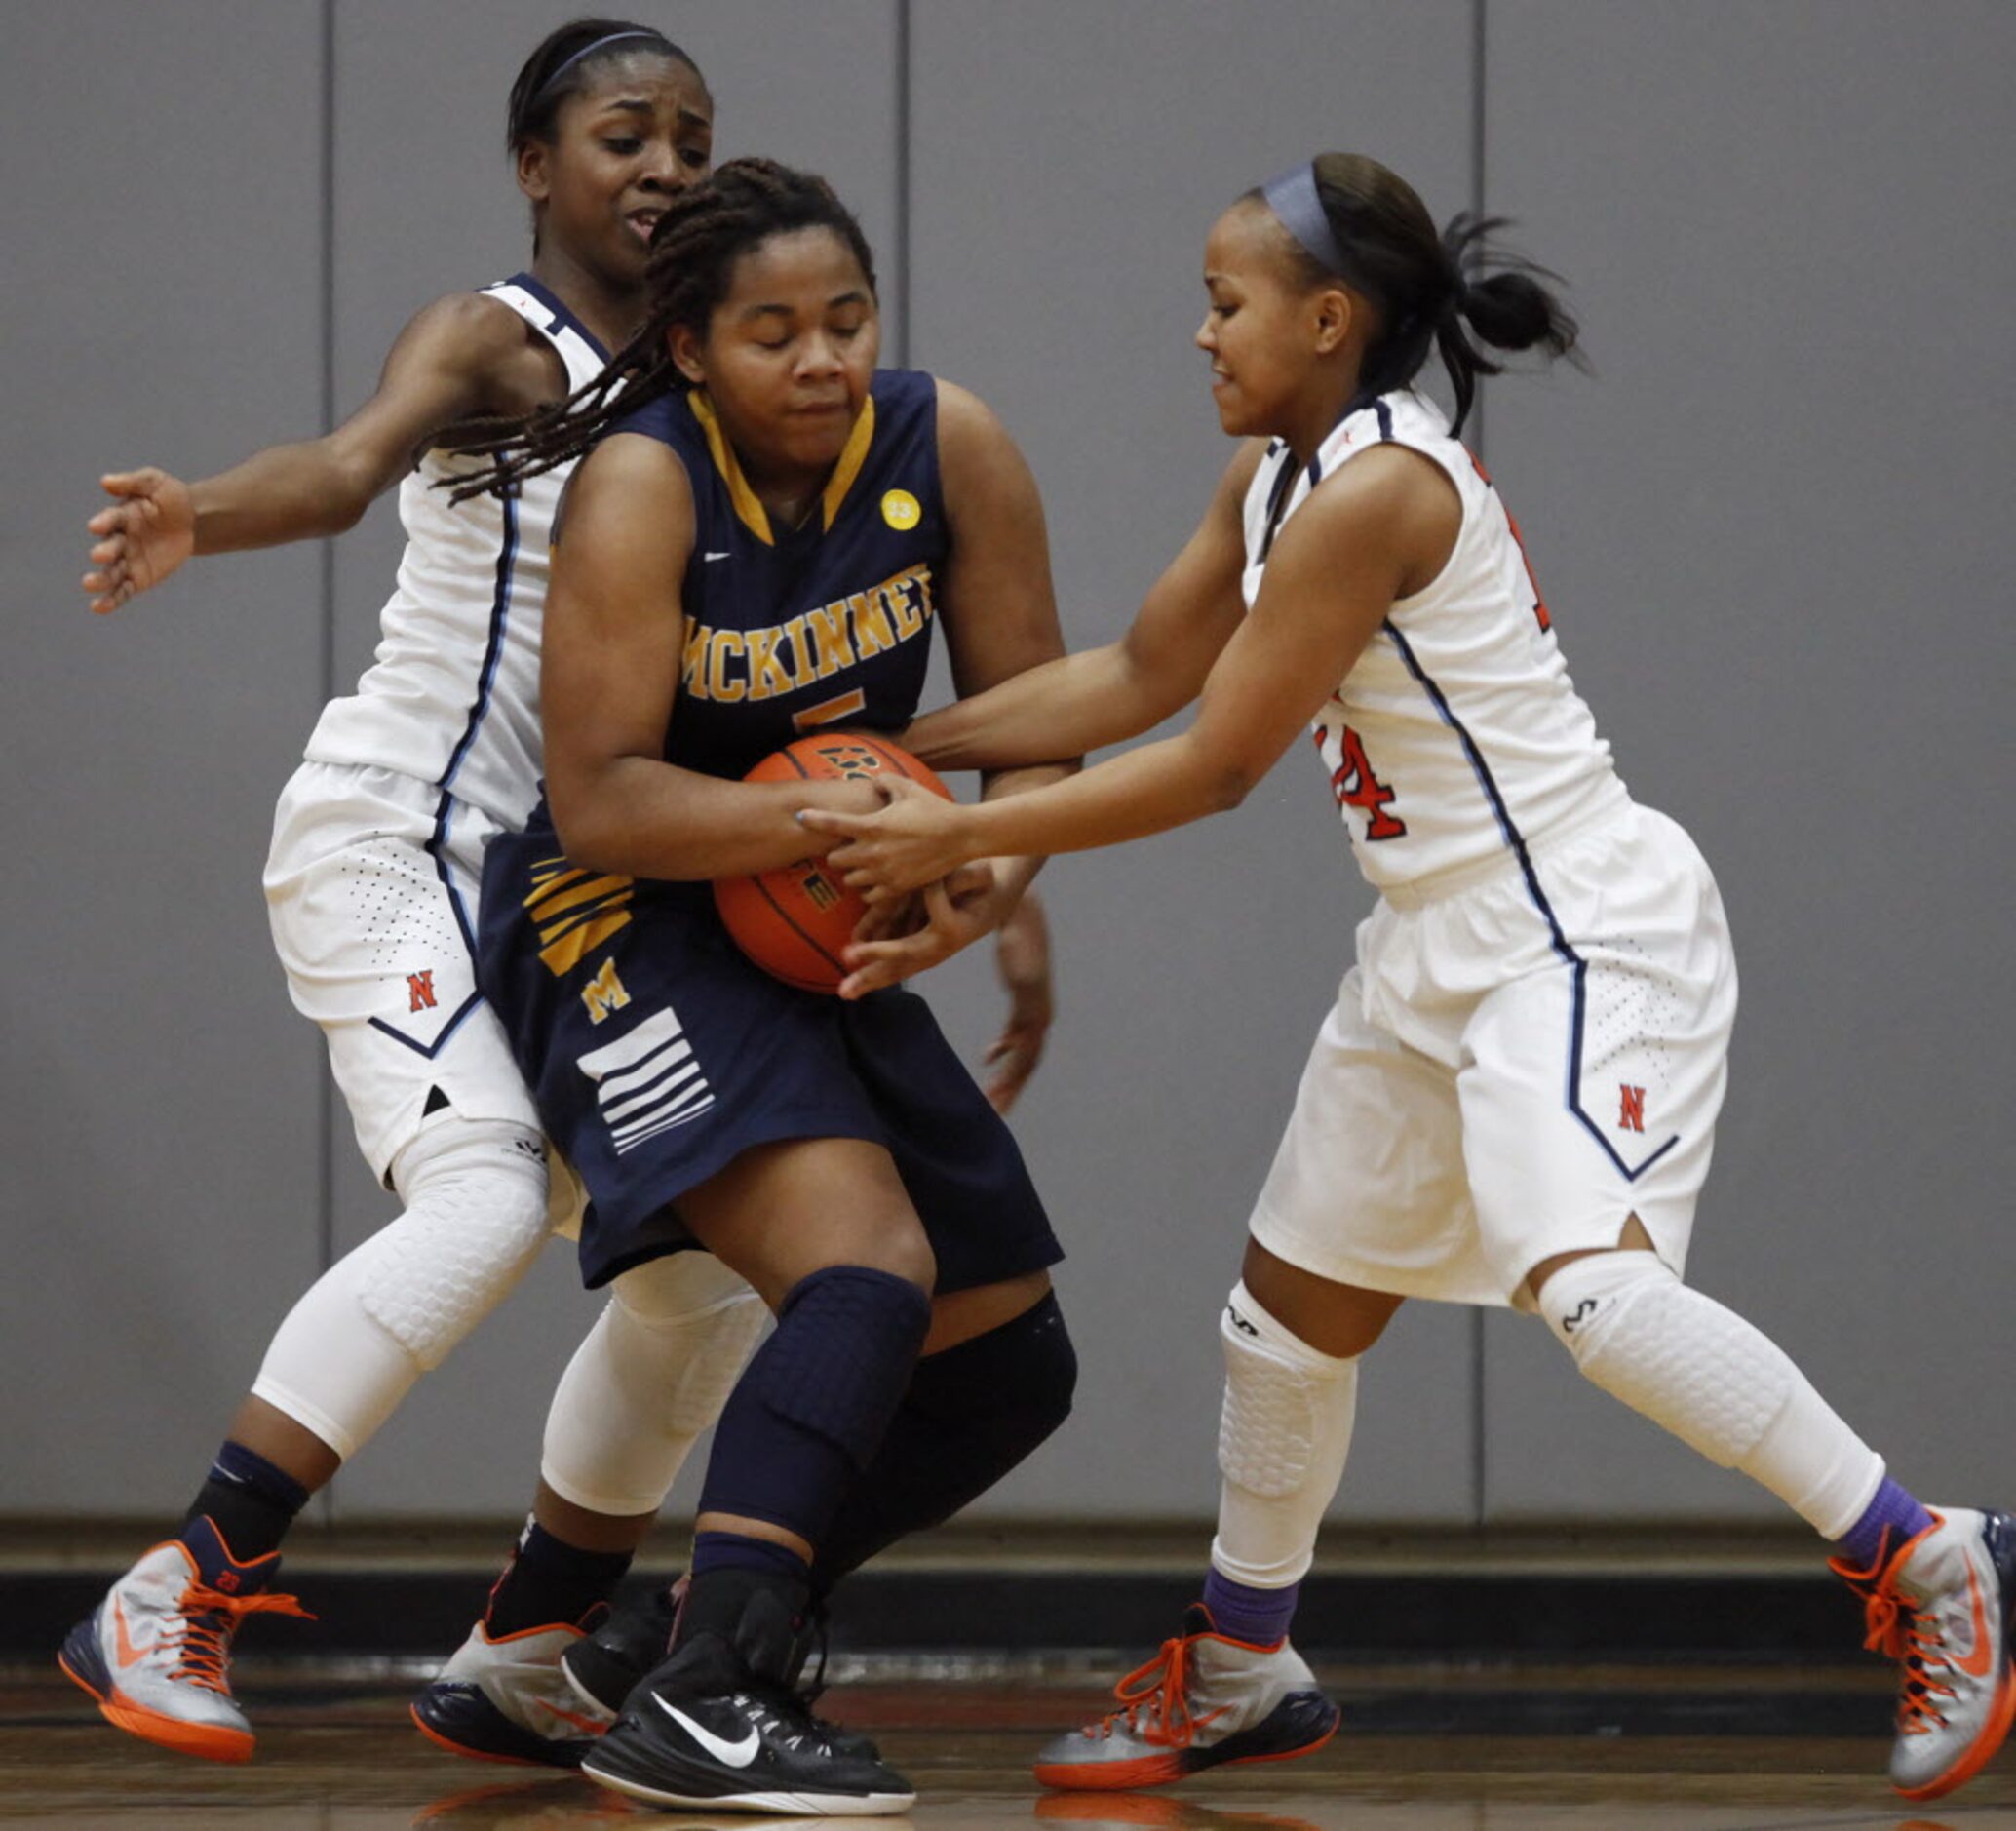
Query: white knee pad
{"type": "Point", "coordinates": [1713, 1380]}
{"type": "Point", "coordinates": [350, 1351]}
{"type": "Point", "coordinates": [1283, 1436]}
{"type": "Point", "coordinates": [475, 1194]}
{"type": "Point", "coordinates": [651, 1375]}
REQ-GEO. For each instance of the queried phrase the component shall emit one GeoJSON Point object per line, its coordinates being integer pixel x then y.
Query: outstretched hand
{"type": "Point", "coordinates": [148, 531]}
{"type": "Point", "coordinates": [912, 842]}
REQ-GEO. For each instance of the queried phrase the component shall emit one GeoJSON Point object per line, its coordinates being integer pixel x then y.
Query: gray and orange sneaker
{"type": "Point", "coordinates": [156, 1653]}
{"type": "Point", "coordinates": [507, 1698]}
{"type": "Point", "coordinates": [1939, 1604]}
{"type": "Point", "coordinates": [1205, 1701]}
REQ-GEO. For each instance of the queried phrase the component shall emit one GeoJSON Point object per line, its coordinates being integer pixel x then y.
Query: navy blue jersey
{"type": "Point", "coordinates": [790, 629]}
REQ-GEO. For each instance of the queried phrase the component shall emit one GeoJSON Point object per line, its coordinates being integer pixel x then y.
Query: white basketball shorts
{"type": "Point", "coordinates": [372, 887]}
{"type": "Point", "coordinates": [1512, 1071]}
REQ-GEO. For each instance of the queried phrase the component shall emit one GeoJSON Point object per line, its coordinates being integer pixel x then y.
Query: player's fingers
{"type": "Point", "coordinates": [847, 826]}
{"type": "Point", "coordinates": [140, 483]}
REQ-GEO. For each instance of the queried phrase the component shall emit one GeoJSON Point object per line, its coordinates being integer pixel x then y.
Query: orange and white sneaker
{"type": "Point", "coordinates": [1940, 1605]}
{"type": "Point", "coordinates": [156, 1653]}
{"type": "Point", "coordinates": [509, 1699]}
{"type": "Point", "coordinates": [1203, 1701]}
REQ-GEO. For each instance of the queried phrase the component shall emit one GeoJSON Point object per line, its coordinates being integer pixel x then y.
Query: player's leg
{"type": "Point", "coordinates": [1334, 1225]}
{"type": "Point", "coordinates": [649, 1377]}
{"type": "Point", "coordinates": [824, 1230]}
{"type": "Point", "coordinates": [1591, 1210]}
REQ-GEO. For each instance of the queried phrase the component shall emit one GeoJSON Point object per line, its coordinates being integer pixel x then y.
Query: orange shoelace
{"type": "Point", "coordinates": [1156, 1702]}
{"type": "Point", "coordinates": [210, 1619]}
{"type": "Point", "coordinates": [1898, 1632]}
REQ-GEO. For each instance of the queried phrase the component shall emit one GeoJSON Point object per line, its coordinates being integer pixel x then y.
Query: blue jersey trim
{"type": "Point", "coordinates": [493, 654]}
{"type": "Point", "coordinates": [430, 1050]}
{"type": "Point", "coordinates": [1576, 965]}
{"type": "Point", "coordinates": [548, 298]}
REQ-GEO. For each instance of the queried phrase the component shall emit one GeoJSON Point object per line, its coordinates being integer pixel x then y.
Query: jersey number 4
{"type": "Point", "coordinates": [1354, 785]}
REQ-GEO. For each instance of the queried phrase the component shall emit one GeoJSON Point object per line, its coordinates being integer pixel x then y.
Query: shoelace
{"type": "Point", "coordinates": [1154, 1700]}
{"type": "Point", "coordinates": [1902, 1632]}
{"type": "Point", "coordinates": [210, 1619]}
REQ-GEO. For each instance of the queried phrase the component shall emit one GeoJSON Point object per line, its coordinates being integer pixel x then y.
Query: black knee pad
{"type": "Point", "coordinates": [811, 1409]}
{"type": "Point", "coordinates": [1017, 1379]}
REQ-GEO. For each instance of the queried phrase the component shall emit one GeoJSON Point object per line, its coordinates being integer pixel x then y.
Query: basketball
{"type": "Point", "coordinates": [793, 921]}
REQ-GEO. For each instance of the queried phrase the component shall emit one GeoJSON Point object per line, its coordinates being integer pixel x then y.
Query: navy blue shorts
{"type": "Point", "coordinates": [657, 1054]}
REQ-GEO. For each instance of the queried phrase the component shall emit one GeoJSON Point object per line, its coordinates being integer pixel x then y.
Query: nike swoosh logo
{"type": "Point", "coordinates": [129, 1654]}
{"type": "Point", "coordinates": [735, 1754]}
{"type": "Point", "coordinates": [705, 556]}
{"type": "Point", "coordinates": [1977, 1661]}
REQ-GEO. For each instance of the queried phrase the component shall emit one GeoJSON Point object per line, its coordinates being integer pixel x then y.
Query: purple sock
{"type": "Point", "coordinates": [1240, 1611]}
{"type": "Point", "coordinates": [1891, 1518]}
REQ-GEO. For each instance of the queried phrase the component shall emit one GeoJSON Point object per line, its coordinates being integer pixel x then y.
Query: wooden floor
{"type": "Point", "coordinates": [339, 1756]}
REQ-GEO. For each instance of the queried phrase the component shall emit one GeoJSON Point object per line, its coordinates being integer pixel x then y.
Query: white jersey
{"type": "Point", "coordinates": [1457, 738]}
{"type": "Point", "coordinates": [452, 697]}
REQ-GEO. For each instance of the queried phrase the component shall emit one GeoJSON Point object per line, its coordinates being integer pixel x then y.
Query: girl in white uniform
{"type": "Point", "coordinates": [1514, 1098]}
{"type": "Point", "coordinates": [372, 883]}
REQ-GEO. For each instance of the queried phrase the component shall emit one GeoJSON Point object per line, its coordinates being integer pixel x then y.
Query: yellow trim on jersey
{"type": "Point", "coordinates": [853, 455]}
{"type": "Point", "coordinates": [576, 912]}
{"type": "Point", "coordinates": [747, 505]}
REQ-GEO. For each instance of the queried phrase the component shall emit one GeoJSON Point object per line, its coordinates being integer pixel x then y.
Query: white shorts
{"type": "Point", "coordinates": [1514, 1069]}
{"type": "Point", "coordinates": [372, 888]}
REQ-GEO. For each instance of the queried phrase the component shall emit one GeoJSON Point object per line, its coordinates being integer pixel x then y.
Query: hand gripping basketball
{"type": "Point", "coordinates": [796, 921]}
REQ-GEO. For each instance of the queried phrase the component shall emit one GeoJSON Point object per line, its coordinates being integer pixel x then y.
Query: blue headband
{"type": "Point", "coordinates": [1293, 197]}
{"type": "Point", "coordinates": [545, 89]}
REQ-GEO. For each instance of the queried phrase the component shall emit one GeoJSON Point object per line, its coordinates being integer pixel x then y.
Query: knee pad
{"type": "Point", "coordinates": [813, 1408]}
{"type": "Point", "coordinates": [701, 1322]}
{"type": "Point", "coordinates": [651, 1375]}
{"type": "Point", "coordinates": [475, 1194]}
{"type": "Point", "coordinates": [1284, 1434]}
{"type": "Point", "coordinates": [1680, 1357]}
{"type": "Point", "coordinates": [1016, 1382]}
{"type": "Point", "coordinates": [846, 1345]}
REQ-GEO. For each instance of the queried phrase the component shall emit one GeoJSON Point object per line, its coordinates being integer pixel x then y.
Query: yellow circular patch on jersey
{"type": "Point", "coordinates": [900, 510]}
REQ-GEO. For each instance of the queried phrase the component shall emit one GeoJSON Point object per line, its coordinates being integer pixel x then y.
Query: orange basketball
{"type": "Point", "coordinates": [793, 921]}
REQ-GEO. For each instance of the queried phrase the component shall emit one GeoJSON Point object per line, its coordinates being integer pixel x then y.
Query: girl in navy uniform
{"type": "Point", "coordinates": [373, 881]}
{"type": "Point", "coordinates": [1514, 1097]}
{"type": "Point", "coordinates": [760, 546]}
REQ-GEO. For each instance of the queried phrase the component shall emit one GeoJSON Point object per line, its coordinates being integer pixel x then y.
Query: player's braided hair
{"type": "Point", "coordinates": [704, 231]}
{"type": "Point", "coordinates": [1451, 292]}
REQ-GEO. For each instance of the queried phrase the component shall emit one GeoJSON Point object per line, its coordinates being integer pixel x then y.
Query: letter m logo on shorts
{"type": "Point", "coordinates": [603, 994]}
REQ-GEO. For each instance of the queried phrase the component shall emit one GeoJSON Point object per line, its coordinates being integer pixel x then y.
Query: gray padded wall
{"type": "Point", "coordinates": [159, 1100]}
{"type": "Point", "coordinates": [1769, 532]}
{"type": "Point", "coordinates": [1763, 526]}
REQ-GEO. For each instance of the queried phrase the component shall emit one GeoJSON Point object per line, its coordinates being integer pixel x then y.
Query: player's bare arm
{"type": "Point", "coordinates": [1368, 537]}
{"type": "Point", "coordinates": [461, 356]}
{"type": "Point", "coordinates": [609, 679]}
{"type": "Point", "coordinates": [1107, 695]}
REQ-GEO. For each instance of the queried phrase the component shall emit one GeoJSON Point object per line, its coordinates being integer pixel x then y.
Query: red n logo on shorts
{"type": "Point", "coordinates": [1632, 1117]}
{"type": "Point", "coordinates": [420, 988]}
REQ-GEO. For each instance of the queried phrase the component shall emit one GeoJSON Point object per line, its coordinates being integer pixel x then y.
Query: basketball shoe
{"type": "Point", "coordinates": [1203, 1701]}
{"type": "Point", "coordinates": [508, 1699]}
{"type": "Point", "coordinates": [156, 1653]}
{"type": "Point", "coordinates": [718, 1725]}
{"type": "Point", "coordinates": [1940, 1605]}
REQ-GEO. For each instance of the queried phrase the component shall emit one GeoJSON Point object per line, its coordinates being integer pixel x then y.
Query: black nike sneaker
{"type": "Point", "coordinates": [718, 1724]}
